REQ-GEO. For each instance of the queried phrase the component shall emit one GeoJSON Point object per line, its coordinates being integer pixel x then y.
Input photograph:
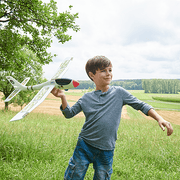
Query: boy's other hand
{"type": "Point", "coordinates": [163, 124]}
{"type": "Point", "coordinates": [161, 121]}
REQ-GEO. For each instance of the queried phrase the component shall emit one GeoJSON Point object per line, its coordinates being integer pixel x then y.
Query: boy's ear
{"type": "Point", "coordinates": [91, 75]}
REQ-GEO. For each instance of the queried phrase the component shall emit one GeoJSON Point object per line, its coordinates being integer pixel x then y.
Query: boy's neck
{"type": "Point", "coordinates": [103, 89]}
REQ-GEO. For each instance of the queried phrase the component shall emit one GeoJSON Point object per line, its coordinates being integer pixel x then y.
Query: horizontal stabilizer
{"type": "Point", "coordinates": [16, 84]}
{"type": "Point", "coordinates": [16, 91]}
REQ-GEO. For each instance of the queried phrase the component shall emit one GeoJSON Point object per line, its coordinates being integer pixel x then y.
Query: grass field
{"type": "Point", "coordinates": [157, 104]}
{"type": "Point", "coordinates": [40, 146]}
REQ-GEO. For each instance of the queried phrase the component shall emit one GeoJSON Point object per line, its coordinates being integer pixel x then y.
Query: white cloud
{"type": "Point", "coordinates": [140, 37]}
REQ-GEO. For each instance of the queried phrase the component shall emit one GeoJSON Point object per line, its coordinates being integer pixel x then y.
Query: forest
{"type": "Point", "coordinates": [167, 86]}
{"type": "Point", "coordinates": [161, 86]}
{"type": "Point", "coordinates": [126, 84]}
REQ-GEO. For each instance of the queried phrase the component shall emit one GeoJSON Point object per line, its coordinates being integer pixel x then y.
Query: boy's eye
{"type": "Point", "coordinates": [104, 70]}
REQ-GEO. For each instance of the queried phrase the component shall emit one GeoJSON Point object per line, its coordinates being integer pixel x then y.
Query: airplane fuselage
{"type": "Point", "coordinates": [62, 83]}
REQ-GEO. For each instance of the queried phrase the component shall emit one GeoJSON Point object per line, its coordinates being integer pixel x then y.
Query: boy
{"type": "Point", "coordinates": [102, 109]}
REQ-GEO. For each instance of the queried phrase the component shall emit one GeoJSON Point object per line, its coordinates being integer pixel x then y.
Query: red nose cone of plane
{"type": "Point", "coordinates": [75, 83]}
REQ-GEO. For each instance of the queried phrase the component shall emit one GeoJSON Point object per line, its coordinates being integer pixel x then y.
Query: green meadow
{"type": "Point", "coordinates": [159, 101]}
{"type": "Point", "coordinates": [40, 146]}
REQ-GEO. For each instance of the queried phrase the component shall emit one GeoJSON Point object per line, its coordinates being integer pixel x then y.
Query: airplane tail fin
{"type": "Point", "coordinates": [18, 87]}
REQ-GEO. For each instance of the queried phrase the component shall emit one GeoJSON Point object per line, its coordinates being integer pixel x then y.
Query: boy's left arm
{"type": "Point", "coordinates": [161, 121]}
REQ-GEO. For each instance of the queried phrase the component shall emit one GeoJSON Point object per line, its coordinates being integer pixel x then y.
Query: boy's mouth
{"type": "Point", "coordinates": [108, 78]}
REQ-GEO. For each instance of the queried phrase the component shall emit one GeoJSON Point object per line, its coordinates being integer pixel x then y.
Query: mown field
{"type": "Point", "coordinates": [167, 101]}
{"type": "Point", "coordinates": [39, 146]}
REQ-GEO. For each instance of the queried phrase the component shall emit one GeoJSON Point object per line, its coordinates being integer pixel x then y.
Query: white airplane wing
{"type": "Point", "coordinates": [63, 68]}
{"type": "Point", "coordinates": [16, 91]}
{"type": "Point", "coordinates": [36, 101]}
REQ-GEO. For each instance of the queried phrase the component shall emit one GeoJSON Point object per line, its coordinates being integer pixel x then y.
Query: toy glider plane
{"type": "Point", "coordinates": [45, 89]}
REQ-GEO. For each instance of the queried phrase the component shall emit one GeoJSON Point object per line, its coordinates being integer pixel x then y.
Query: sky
{"type": "Point", "coordinates": [140, 37]}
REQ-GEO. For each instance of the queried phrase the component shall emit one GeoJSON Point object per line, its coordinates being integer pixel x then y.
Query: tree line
{"type": "Point", "coordinates": [162, 86]}
{"type": "Point", "coordinates": [135, 84]}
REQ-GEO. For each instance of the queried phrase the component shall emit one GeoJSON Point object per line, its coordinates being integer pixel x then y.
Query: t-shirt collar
{"type": "Point", "coordinates": [100, 93]}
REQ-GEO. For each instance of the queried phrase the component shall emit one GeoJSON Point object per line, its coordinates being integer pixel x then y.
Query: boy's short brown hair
{"type": "Point", "coordinates": [95, 63]}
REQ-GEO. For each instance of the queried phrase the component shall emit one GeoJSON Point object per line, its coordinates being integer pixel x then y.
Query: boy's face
{"type": "Point", "coordinates": [102, 77]}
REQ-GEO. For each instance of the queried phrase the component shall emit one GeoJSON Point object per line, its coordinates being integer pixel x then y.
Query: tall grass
{"type": "Point", "coordinates": [39, 147]}
{"type": "Point", "coordinates": [144, 151]}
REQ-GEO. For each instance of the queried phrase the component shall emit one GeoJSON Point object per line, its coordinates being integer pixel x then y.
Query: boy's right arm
{"type": "Point", "coordinates": [59, 93]}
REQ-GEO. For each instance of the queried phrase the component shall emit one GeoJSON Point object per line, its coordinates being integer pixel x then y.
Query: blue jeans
{"type": "Point", "coordinates": [83, 155]}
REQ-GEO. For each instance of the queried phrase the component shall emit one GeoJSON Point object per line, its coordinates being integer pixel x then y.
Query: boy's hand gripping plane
{"type": "Point", "coordinates": [45, 89]}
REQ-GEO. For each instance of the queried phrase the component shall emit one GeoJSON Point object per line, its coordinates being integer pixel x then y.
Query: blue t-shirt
{"type": "Point", "coordinates": [103, 113]}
